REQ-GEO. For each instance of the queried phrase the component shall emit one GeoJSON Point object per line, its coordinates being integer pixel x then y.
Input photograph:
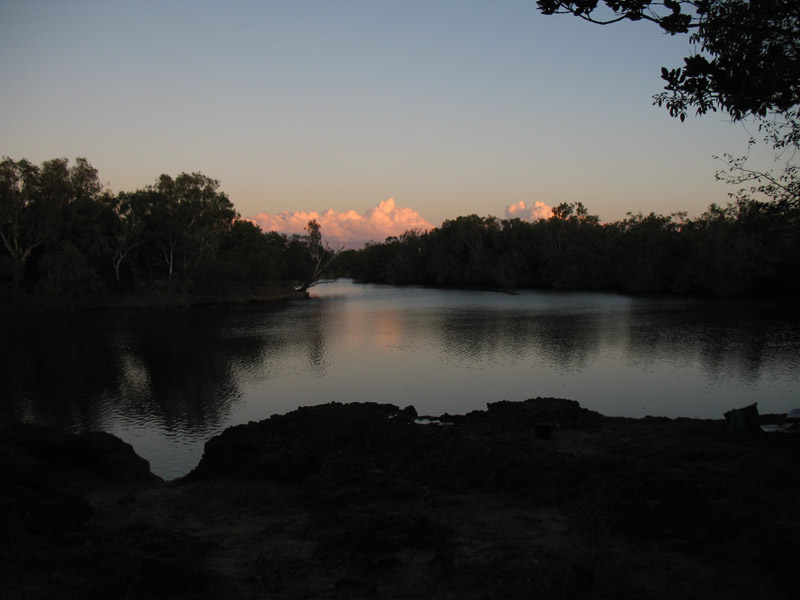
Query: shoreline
{"type": "Point", "coordinates": [33, 302]}
{"type": "Point", "coordinates": [366, 501]}
{"type": "Point", "coordinates": [266, 294]}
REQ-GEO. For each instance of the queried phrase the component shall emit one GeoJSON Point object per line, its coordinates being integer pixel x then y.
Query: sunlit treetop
{"type": "Point", "coordinates": [747, 52]}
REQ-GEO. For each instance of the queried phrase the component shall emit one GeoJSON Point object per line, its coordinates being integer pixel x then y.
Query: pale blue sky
{"type": "Point", "coordinates": [450, 108]}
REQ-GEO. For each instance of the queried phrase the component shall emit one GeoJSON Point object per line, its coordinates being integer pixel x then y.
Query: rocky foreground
{"type": "Point", "coordinates": [367, 501]}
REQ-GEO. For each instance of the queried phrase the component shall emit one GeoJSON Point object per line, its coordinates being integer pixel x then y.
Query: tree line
{"type": "Point", "coordinates": [64, 235]}
{"type": "Point", "coordinates": [747, 247]}
{"type": "Point", "coordinates": [180, 238]}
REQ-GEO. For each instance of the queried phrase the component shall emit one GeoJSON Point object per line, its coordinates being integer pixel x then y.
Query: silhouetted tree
{"type": "Point", "coordinates": [48, 215]}
{"type": "Point", "coordinates": [781, 185]}
{"type": "Point", "coordinates": [749, 59]}
{"type": "Point", "coordinates": [747, 247]}
{"type": "Point", "coordinates": [193, 216]}
{"type": "Point", "coordinates": [746, 63]}
{"type": "Point", "coordinates": [122, 228]}
{"type": "Point", "coordinates": [177, 240]}
{"type": "Point", "coordinates": [318, 257]}
{"type": "Point", "coordinates": [21, 228]}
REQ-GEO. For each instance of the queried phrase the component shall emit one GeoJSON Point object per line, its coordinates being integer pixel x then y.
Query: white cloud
{"type": "Point", "coordinates": [520, 210]}
{"type": "Point", "coordinates": [349, 228]}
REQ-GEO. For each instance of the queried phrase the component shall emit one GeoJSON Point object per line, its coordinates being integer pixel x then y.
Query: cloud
{"type": "Point", "coordinates": [539, 210]}
{"type": "Point", "coordinates": [349, 228]}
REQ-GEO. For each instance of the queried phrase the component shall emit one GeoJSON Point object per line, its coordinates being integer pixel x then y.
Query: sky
{"type": "Point", "coordinates": [372, 116]}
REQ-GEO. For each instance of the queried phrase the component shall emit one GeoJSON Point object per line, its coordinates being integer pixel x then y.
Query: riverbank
{"type": "Point", "coordinates": [275, 292]}
{"type": "Point", "coordinates": [33, 303]}
{"type": "Point", "coordinates": [370, 501]}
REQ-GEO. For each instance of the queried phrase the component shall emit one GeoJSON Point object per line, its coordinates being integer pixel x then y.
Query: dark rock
{"type": "Point", "coordinates": [363, 501]}
{"type": "Point", "coordinates": [46, 474]}
{"type": "Point", "coordinates": [565, 414]}
{"type": "Point", "coordinates": [347, 587]}
{"type": "Point", "coordinates": [33, 453]}
{"type": "Point", "coordinates": [410, 412]}
{"type": "Point", "coordinates": [297, 445]}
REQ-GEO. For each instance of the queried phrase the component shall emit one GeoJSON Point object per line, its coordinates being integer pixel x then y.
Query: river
{"type": "Point", "coordinates": [167, 380]}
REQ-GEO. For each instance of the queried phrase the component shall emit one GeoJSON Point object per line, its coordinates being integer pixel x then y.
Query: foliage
{"type": "Point", "coordinates": [63, 235]}
{"type": "Point", "coordinates": [745, 62]}
{"type": "Point", "coordinates": [41, 206]}
{"type": "Point", "coordinates": [748, 61]}
{"type": "Point", "coordinates": [781, 187]}
{"type": "Point", "coordinates": [312, 259]}
{"type": "Point", "coordinates": [66, 237]}
{"type": "Point", "coordinates": [746, 247]}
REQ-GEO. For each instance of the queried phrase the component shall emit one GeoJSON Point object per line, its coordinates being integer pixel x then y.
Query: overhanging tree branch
{"type": "Point", "coordinates": [322, 257]}
{"type": "Point", "coordinates": [749, 50]}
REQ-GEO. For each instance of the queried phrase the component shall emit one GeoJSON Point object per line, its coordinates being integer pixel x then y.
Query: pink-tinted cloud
{"type": "Point", "coordinates": [349, 229]}
{"type": "Point", "coordinates": [520, 210]}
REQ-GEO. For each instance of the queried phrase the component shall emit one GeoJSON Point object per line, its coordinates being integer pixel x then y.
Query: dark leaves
{"type": "Point", "coordinates": [750, 59]}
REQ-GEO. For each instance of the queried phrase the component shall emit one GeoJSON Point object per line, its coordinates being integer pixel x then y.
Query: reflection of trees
{"type": "Point", "coordinates": [724, 338]}
{"type": "Point", "coordinates": [727, 338]}
{"type": "Point", "coordinates": [175, 368]}
{"type": "Point", "coordinates": [313, 333]}
{"type": "Point", "coordinates": [485, 336]}
{"type": "Point", "coordinates": [469, 336]}
{"type": "Point", "coordinates": [184, 367]}
{"type": "Point", "coordinates": [54, 367]}
{"type": "Point", "coordinates": [568, 340]}
{"type": "Point", "coordinates": [189, 384]}
{"type": "Point", "coordinates": [178, 370]}
{"type": "Point", "coordinates": [300, 334]}
{"type": "Point", "coordinates": [182, 370]}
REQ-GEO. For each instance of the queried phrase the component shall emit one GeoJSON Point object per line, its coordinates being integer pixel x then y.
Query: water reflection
{"type": "Point", "coordinates": [179, 370]}
{"type": "Point", "coordinates": [53, 370]}
{"type": "Point", "coordinates": [167, 380]}
{"type": "Point", "coordinates": [482, 338]}
{"type": "Point", "coordinates": [739, 344]}
{"type": "Point", "coordinates": [567, 341]}
{"type": "Point", "coordinates": [313, 333]}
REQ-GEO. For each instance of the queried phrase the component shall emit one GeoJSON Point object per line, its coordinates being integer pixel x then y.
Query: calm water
{"type": "Point", "coordinates": [166, 381]}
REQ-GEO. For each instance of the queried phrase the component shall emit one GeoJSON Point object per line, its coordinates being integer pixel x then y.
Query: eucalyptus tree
{"type": "Point", "coordinates": [47, 212]}
{"type": "Point", "coordinates": [319, 257]}
{"type": "Point", "coordinates": [21, 228]}
{"type": "Point", "coordinates": [188, 217]}
{"type": "Point", "coordinates": [122, 227]}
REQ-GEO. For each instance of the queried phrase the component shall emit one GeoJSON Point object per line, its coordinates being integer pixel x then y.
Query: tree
{"type": "Point", "coordinates": [650, 256]}
{"type": "Point", "coordinates": [20, 229]}
{"type": "Point", "coordinates": [320, 257]}
{"type": "Point", "coordinates": [247, 258]}
{"type": "Point", "coordinates": [84, 181]}
{"type": "Point", "coordinates": [749, 50]}
{"type": "Point", "coordinates": [121, 228]}
{"type": "Point", "coordinates": [45, 210]}
{"type": "Point", "coordinates": [575, 212]}
{"type": "Point", "coordinates": [188, 217]}
{"type": "Point", "coordinates": [780, 187]}
{"type": "Point", "coordinates": [570, 246]}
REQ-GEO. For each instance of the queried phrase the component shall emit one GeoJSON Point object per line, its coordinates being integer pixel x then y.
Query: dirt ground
{"type": "Point", "coordinates": [370, 501]}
